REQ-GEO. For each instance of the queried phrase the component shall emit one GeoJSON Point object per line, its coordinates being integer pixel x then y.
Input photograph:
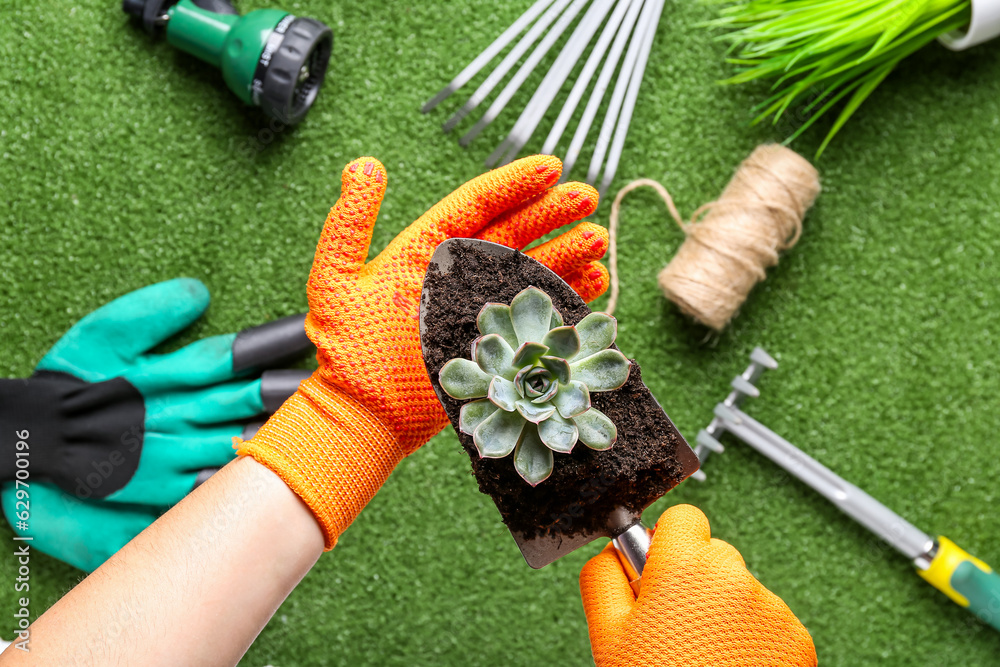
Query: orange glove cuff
{"type": "Point", "coordinates": [330, 450]}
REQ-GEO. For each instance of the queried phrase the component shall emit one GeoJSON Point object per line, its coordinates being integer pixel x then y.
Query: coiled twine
{"type": "Point", "coordinates": [732, 241]}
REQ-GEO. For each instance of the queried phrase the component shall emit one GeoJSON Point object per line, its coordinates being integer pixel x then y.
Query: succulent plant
{"type": "Point", "coordinates": [534, 377]}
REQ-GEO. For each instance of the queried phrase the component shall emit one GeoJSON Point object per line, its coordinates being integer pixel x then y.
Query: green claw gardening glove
{"type": "Point", "coordinates": [105, 436]}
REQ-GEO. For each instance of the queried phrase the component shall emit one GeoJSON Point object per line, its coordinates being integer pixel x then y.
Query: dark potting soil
{"type": "Point", "coordinates": [648, 459]}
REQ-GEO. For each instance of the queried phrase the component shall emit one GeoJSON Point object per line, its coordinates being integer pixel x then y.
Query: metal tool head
{"type": "Point", "coordinates": [616, 24]}
{"type": "Point", "coordinates": [743, 386]}
{"type": "Point", "coordinates": [909, 540]}
{"type": "Point", "coordinates": [464, 275]}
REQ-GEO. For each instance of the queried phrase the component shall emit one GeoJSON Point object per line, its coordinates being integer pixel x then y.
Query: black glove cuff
{"type": "Point", "coordinates": [86, 437]}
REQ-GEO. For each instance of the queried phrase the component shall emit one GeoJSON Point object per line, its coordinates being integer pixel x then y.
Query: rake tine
{"type": "Point", "coordinates": [491, 51]}
{"type": "Point", "coordinates": [550, 86]}
{"type": "Point", "coordinates": [589, 68]}
{"type": "Point", "coordinates": [547, 90]}
{"type": "Point", "coordinates": [601, 87]}
{"type": "Point", "coordinates": [497, 75]}
{"type": "Point", "coordinates": [625, 119]}
{"type": "Point", "coordinates": [618, 95]}
{"type": "Point", "coordinates": [743, 386]}
{"type": "Point", "coordinates": [524, 72]}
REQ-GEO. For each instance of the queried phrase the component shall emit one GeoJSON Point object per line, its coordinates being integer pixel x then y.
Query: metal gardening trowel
{"type": "Point", "coordinates": [590, 493]}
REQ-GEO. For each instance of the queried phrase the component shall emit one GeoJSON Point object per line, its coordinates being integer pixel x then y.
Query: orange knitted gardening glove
{"type": "Point", "coordinates": [370, 403]}
{"type": "Point", "coordinates": [697, 605]}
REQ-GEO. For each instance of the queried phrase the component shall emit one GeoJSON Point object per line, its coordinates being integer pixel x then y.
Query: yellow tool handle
{"type": "Point", "coordinates": [965, 579]}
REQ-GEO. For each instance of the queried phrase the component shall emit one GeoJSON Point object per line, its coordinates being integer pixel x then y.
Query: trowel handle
{"type": "Point", "coordinates": [633, 545]}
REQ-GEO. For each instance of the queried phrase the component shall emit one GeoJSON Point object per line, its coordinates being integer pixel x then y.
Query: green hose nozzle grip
{"type": "Point", "coordinates": [268, 57]}
{"type": "Point", "coordinates": [965, 579]}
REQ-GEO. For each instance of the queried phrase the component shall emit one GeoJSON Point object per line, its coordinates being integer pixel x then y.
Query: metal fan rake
{"type": "Point", "coordinates": [624, 31]}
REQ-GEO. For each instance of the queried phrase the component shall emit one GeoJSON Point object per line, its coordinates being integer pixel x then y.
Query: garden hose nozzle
{"type": "Point", "coordinates": [268, 57]}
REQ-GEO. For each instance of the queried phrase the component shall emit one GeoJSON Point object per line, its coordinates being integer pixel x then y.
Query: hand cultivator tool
{"type": "Point", "coordinates": [968, 581]}
{"type": "Point", "coordinates": [627, 23]}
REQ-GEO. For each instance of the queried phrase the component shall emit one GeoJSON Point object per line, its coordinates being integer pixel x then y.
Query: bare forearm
{"type": "Point", "coordinates": [195, 588]}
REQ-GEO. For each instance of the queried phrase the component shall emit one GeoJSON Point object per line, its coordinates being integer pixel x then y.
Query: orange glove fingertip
{"type": "Point", "coordinates": [589, 281]}
{"type": "Point", "coordinates": [683, 521]}
{"type": "Point", "coordinates": [347, 232]}
{"type": "Point", "coordinates": [582, 245]}
{"type": "Point", "coordinates": [365, 166]}
{"type": "Point", "coordinates": [554, 208]}
{"type": "Point", "coordinates": [473, 206]}
{"type": "Point", "coordinates": [584, 197]}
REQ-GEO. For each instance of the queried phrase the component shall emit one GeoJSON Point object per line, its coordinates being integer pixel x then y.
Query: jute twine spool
{"type": "Point", "coordinates": [727, 252]}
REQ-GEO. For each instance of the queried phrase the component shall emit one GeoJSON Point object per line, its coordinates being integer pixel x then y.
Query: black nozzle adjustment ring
{"type": "Point", "coordinates": [291, 68]}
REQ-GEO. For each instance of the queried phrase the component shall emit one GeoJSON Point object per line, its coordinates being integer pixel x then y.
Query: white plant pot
{"type": "Point", "coordinates": [984, 26]}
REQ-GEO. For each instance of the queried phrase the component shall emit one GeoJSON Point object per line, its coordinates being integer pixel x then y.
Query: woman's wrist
{"type": "Point", "coordinates": [330, 450]}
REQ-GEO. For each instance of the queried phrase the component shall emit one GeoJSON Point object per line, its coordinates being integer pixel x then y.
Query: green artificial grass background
{"type": "Point", "coordinates": [123, 163]}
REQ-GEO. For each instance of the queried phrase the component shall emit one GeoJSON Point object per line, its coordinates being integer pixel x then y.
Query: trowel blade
{"type": "Point", "coordinates": [560, 531]}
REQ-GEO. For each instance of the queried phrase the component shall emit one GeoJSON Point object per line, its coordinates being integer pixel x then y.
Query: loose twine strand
{"type": "Point", "coordinates": [726, 252]}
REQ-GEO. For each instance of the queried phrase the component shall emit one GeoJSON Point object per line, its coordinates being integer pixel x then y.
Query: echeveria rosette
{"type": "Point", "coordinates": [534, 377]}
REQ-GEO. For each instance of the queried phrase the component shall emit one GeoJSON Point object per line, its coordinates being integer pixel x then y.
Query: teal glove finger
{"type": "Point", "coordinates": [170, 465]}
{"type": "Point", "coordinates": [221, 358]}
{"type": "Point", "coordinates": [202, 363]}
{"type": "Point", "coordinates": [106, 342]}
{"type": "Point", "coordinates": [83, 533]}
{"type": "Point", "coordinates": [189, 412]}
{"type": "Point", "coordinates": [186, 432]}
